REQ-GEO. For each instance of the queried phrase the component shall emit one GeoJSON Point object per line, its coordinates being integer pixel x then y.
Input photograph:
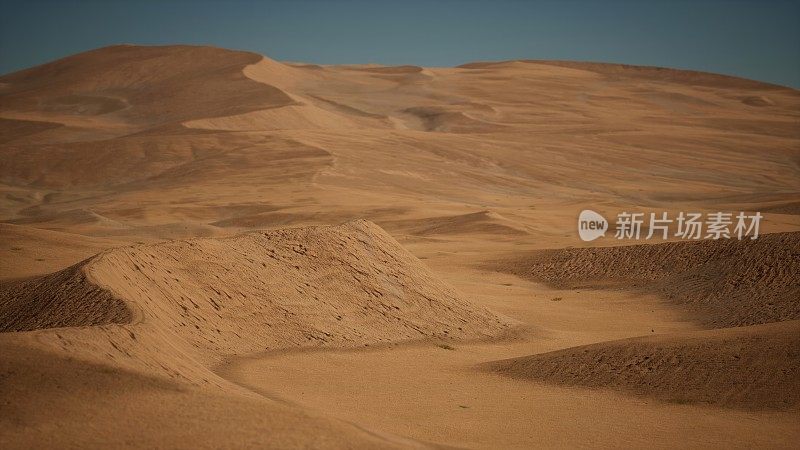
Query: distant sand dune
{"type": "Point", "coordinates": [390, 69]}
{"type": "Point", "coordinates": [721, 283]}
{"type": "Point", "coordinates": [170, 159]}
{"type": "Point", "coordinates": [483, 222]}
{"type": "Point", "coordinates": [690, 77]}
{"type": "Point", "coordinates": [142, 85]}
{"type": "Point", "coordinates": [65, 219]}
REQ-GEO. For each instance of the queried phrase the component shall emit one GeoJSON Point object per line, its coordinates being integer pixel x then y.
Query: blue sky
{"type": "Point", "coordinates": [753, 39]}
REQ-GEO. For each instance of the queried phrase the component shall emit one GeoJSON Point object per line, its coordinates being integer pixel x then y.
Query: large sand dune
{"type": "Point", "coordinates": [143, 84]}
{"type": "Point", "coordinates": [325, 286]}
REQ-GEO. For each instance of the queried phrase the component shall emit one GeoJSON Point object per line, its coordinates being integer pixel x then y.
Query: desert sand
{"type": "Point", "coordinates": [208, 248]}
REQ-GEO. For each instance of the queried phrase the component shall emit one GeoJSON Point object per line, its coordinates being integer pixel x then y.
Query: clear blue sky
{"type": "Point", "coordinates": [753, 39]}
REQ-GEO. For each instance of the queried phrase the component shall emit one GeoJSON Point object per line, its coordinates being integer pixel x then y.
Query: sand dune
{"type": "Point", "coordinates": [333, 286]}
{"type": "Point", "coordinates": [141, 84]}
{"type": "Point", "coordinates": [390, 69]}
{"type": "Point", "coordinates": [156, 319]}
{"type": "Point", "coordinates": [642, 72]}
{"type": "Point", "coordinates": [69, 219]}
{"type": "Point", "coordinates": [755, 367]}
{"type": "Point", "coordinates": [727, 283]}
{"type": "Point", "coordinates": [482, 222]}
{"type": "Point", "coordinates": [718, 283]}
